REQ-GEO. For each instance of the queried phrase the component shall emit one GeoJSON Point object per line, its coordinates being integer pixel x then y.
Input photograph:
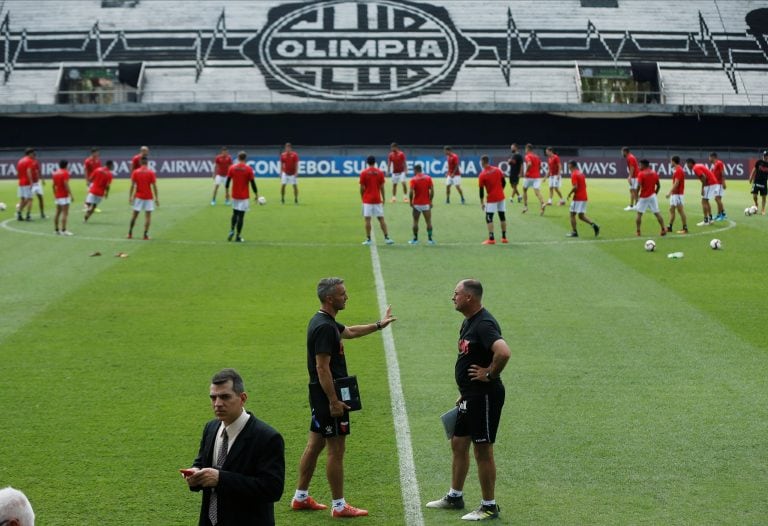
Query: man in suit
{"type": "Point", "coordinates": [240, 467]}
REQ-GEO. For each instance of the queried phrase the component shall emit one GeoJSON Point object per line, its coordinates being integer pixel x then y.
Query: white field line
{"type": "Point", "coordinates": [8, 225]}
{"type": "Point", "coordinates": [408, 483]}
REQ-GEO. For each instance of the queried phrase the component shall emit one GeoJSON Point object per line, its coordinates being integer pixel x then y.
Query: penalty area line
{"type": "Point", "coordinates": [408, 483]}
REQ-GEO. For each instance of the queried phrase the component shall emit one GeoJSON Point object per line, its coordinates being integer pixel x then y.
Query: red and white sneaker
{"type": "Point", "coordinates": [489, 242]}
{"type": "Point", "coordinates": [348, 512]}
{"type": "Point", "coordinates": [309, 504]}
{"type": "Point", "coordinates": [504, 240]}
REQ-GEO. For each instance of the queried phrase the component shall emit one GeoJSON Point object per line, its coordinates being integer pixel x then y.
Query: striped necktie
{"type": "Point", "coordinates": [213, 507]}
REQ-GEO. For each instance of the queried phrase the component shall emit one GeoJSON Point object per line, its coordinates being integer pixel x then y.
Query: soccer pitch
{"type": "Point", "coordinates": [636, 391]}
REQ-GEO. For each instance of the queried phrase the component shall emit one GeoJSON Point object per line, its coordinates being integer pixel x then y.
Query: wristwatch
{"type": "Point", "coordinates": [488, 375]}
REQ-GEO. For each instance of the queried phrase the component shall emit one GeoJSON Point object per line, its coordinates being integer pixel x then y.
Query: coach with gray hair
{"type": "Point", "coordinates": [15, 509]}
{"type": "Point", "coordinates": [329, 425]}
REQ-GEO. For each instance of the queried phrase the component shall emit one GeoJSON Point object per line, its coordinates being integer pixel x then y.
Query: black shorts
{"type": "Point", "coordinates": [759, 189]}
{"type": "Point", "coordinates": [514, 179]}
{"type": "Point", "coordinates": [322, 422]}
{"type": "Point", "coordinates": [479, 415]}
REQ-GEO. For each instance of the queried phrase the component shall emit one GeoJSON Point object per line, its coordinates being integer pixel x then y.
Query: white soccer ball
{"type": "Point", "coordinates": [748, 211]}
{"type": "Point", "coordinates": [262, 200]}
{"type": "Point", "coordinates": [753, 210]}
{"type": "Point", "coordinates": [650, 245]}
{"type": "Point", "coordinates": [715, 244]}
{"type": "Point", "coordinates": [3, 207]}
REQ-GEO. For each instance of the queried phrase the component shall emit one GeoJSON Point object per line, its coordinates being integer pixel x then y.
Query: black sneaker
{"type": "Point", "coordinates": [572, 234]}
{"type": "Point", "coordinates": [447, 503]}
{"type": "Point", "coordinates": [239, 239]}
{"type": "Point", "coordinates": [596, 228]}
{"type": "Point", "coordinates": [231, 235]}
{"type": "Point", "coordinates": [483, 513]}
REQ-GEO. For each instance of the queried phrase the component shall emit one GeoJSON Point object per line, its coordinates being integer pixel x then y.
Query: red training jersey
{"type": "Point", "coordinates": [396, 162]}
{"type": "Point", "coordinates": [453, 165]}
{"type": "Point", "coordinates": [579, 181]}
{"type": "Point", "coordinates": [421, 184]}
{"type": "Point", "coordinates": [22, 171]}
{"type": "Point", "coordinates": [632, 166]}
{"type": "Point", "coordinates": [136, 162]}
{"type": "Point", "coordinates": [491, 178]}
{"type": "Point", "coordinates": [222, 161]}
{"type": "Point", "coordinates": [554, 164]}
{"type": "Point", "coordinates": [719, 170]}
{"type": "Point", "coordinates": [143, 178]}
{"type": "Point", "coordinates": [647, 180]}
{"type": "Point", "coordinates": [101, 178]}
{"type": "Point", "coordinates": [704, 174]}
{"type": "Point", "coordinates": [241, 175]}
{"type": "Point", "coordinates": [372, 179]}
{"type": "Point", "coordinates": [533, 164]}
{"type": "Point", "coordinates": [289, 163]}
{"type": "Point", "coordinates": [679, 176]}
{"type": "Point", "coordinates": [60, 180]}
{"type": "Point", "coordinates": [90, 164]}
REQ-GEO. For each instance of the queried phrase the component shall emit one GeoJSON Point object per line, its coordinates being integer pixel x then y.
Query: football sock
{"type": "Point", "coordinates": [301, 495]}
{"type": "Point", "coordinates": [503, 233]}
{"type": "Point", "coordinates": [338, 504]}
{"type": "Point", "coordinates": [491, 502]}
{"type": "Point", "coordinates": [234, 220]}
{"type": "Point", "coordinates": [455, 493]}
{"type": "Point", "coordinates": [490, 235]}
{"type": "Point", "coordinates": [429, 233]}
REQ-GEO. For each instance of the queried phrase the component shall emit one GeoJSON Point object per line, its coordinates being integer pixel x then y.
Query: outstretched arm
{"type": "Point", "coordinates": [356, 331]}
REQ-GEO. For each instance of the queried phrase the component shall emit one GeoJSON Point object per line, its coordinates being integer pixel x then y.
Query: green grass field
{"type": "Point", "coordinates": [636, 392]}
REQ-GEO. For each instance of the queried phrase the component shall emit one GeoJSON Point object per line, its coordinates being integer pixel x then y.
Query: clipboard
{"type": "Point", "coordinates": [449, 421]}
{"type": "Point", "coordinates": [347, 391]}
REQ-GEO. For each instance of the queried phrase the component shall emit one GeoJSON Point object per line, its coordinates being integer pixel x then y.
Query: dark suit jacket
{"type": "Point", "coordinates": [252, 476]}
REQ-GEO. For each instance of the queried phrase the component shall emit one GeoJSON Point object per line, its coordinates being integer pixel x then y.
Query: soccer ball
{"type": "Point", "coordinates": [650, 245]}
{"type": "Point", "coordinates": [753, 209]}
{"type": "Point", "coordinates": [715, 244]}
{"type": "Point", "coordinates": [3, 207]}
{"type": "Point", "coordinates": [262, 200]}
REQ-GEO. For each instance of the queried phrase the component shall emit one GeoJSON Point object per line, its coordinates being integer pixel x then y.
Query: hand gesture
{"type": "Point", "coordinates": [388, 318]}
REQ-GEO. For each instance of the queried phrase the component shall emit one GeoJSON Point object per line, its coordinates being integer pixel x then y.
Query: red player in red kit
{"type": "Point", "coordinates": [221, 164]}
{"type": "Point", "coordinates": [62, 196]}
{"type": "Point", "coordinates": [240, 175]}
{"type": "Point", "coordinates": [289, 172]}
{"type": "Point", "coordinates": [492, 181]}
{"type": "Point", "coordinates": [718, 168]}
{"type": "Point", "coordinates": [452, 175]}
{"type": "Point", "coordinates": [372, 194]}
{"type": "Point", "coordinates": [421, 195]}
{"type": "Point", "coordinates": [397, 168]}
{"type": "Point", "coordinates": [143, 196]}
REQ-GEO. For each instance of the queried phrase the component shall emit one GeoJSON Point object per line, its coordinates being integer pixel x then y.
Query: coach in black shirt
{"type": "Point", "coordinates": [515, 166]}
{"type": "Point", "coordinates": [330, 416]}
{"type": "Point", "coordinates": [483, 353]}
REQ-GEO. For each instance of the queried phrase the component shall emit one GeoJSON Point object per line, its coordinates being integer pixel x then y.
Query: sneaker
{"type": "Point", "coordinates": [413, 242]}
{"type": "Point", "coordinates": [683, 231]}
{"type": "Point", "coordinates": [489, 242]}
{"type": "Point", "coordinates": [239, 239]}
{"type": "Point", "coordinates": [98, 210]}
{"type": "Point", "coordinates": [543, 207]}
{"type": "Point", "coordinates": [231, 235]}
{"type": "Point", "coordinates": [447, 503]}
{"type": "Point", "coordinates": [596, 228]}
{"type": "Point", "coordinates": [572, 234]}
{"type": "Point", "coordinates": [703, 223]}
{"type": "Point", "coordinates": [483, 513]}
{"type": "Point", "coordinates": [348, 511]}
{"type": "Point", "coordinates": [309, 504]}
{"type": "Point", "coordinates": [525, 209]}
{"type": "Point", "coordinates": [389, 241]}
{"type": "Point", "coordinates": [561, 203]}
{"type": "Point", "coordinates": [282, 201]}
{"type": "Point", "coordinates": [228, 202]}
{"type": "Point", "coordinates": [447, 201]}
{"type": "Point", "coordinates": [56, 233]}
{"type": "Point", "coordinates": [431, 242]}
{"type": "Point", "coordinates": [504, 240]}
{"type": "Point", "coordinates": [519, 199]}
{"type": "Point", "coordinates": [549, 202]}
{"type": "Point", "coordinates": [66, 233]}
{"type": "Point", "coordinates": [367, 242]}
{"type": "Point", "coordinates": [20, 217]}
{"type": "Point", "coordinates": [393, 200]}
{"type": "Point", "coordinates": [129, 236]}
{"type": "Point", "coordinates": [213, 203]}
{"type": "Point", "coordinates": [405, 199]}
{"type": "Point", "coordinates": [663, 232]}
{"type": "Point", "coordinates": [463, 201]}
{"type": "Point", "coordinates": [638, 233]}
{"type": "Point", "coordinates": [629, 208]}
{"type": "Point", "coordinates": [42, 216]}
{"type": "Point", "coordinates": [146, 237]}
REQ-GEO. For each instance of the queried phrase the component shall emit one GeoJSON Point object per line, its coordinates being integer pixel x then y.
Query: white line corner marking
{"type": "Point", "coordinates": [408, 483]}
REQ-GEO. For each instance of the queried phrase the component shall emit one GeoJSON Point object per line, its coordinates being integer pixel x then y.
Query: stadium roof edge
{"type": "Point", "coordinates": [590, 110]}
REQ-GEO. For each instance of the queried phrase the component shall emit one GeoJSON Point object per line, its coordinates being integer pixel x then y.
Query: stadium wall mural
{"type": "Point", "coordinates": [380, 50]}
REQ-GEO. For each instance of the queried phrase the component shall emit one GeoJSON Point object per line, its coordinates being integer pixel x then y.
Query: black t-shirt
{"type": "Point", "coordinates": [761, 172]}
{"type": "Point", "coordinates": [515, 165]}
{"type": "Point", "coordinates": [324, 337]}
{"type": "Point", "coordinates": [476, 337]}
